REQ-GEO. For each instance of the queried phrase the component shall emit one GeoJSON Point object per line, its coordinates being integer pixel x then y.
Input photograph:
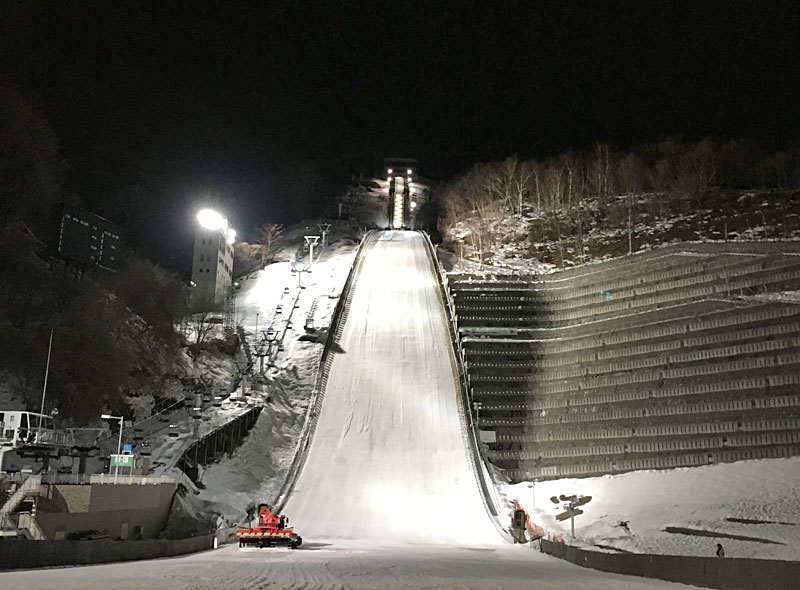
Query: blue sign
{"type": "Point", "coordinates": [127, 448]}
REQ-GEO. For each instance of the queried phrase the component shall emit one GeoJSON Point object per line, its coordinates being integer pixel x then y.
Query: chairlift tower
{"type": "Point", "coordinates": [311, 241]}
{"type": "Point", "coordinates": [324, 228]}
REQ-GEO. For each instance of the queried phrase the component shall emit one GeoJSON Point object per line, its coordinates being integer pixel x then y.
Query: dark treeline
{"type": "Point", "coordinates": [112, 333]}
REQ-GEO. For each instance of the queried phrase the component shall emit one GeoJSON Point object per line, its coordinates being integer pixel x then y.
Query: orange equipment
{"type": "Point", "coordinates": [271, 531]}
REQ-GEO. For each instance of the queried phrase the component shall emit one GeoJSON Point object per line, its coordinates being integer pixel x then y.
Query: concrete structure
{"type": "Point", "coordinates": [89, 240]}
{"type": "Point", "coordinates": [212, 264]}
{"type": "Point", "coordinates": [680, 356]}
{"type": "Point", "coordinates": [133, 508]}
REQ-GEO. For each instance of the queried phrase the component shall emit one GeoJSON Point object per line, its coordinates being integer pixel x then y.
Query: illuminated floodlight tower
{"type": "Point", "coordinates": [212, 264]}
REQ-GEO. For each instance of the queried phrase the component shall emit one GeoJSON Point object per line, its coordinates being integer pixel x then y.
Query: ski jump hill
{"type": "Point", "coordinates": [388, 461]}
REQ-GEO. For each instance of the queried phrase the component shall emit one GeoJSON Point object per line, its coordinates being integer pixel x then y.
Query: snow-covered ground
{"type": "Point", "coordinates": [631, 512]}
{"type": "Point", "coordinates": [339, 566]}
{"type": "Point", "coordinates": [387, 498]}
{"type": "Point", "coordinates": [387, 460]}
{"type": "Point", "coordinates": [257, 469]}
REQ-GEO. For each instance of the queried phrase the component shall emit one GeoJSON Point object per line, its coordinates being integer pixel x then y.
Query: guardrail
{"type": "Point", "coordinates": [318, 393]}
{"type": "Point", "coordinates": [469, 428]}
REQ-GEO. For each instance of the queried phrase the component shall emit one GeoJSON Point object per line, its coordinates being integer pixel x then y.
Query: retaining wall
{"type": "Point", "coordinates": [708, 572]}
{"type": "Point", "coordinates": [660, 341]}
{"type": "Point", "coordinates": [35, 554]}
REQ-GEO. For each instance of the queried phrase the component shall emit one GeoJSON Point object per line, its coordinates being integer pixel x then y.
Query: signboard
{"type": "Point", "coordinates": [89, 239]}
{"type": "Point", "coordinates": [583, 500]}
{"type": "Point", "coordinates": [567, 514]}
{"type": "Point", "coordinates": [127, 448]}
{"type": "Point", "coordinates": [122, 460]}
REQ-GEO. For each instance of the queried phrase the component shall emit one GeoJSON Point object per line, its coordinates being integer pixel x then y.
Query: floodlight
{"type": "Point", "coordinates": [210, 219]}
{"type": "Point", "coordinates": [389, 171]}
{"type": "Point", "coordinates": [408, 171]}
{"type": "Point", "coordinates": [106, 416]}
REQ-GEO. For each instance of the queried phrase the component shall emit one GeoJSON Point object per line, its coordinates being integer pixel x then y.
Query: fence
{"type": "Point", "coordinates": [708, 572]}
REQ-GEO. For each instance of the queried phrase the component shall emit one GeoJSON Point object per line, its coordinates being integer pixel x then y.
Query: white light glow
{"type": "Point", "coordinates": [389, 171]}
{"type": "Point", "coordinates": [408, 171]}
{"type": "Point", "coordinates": [413, 205]}
{"type": "Point", "coordinates": [231, 236]}
{"type": "Point", "coordinates": [210, 219]}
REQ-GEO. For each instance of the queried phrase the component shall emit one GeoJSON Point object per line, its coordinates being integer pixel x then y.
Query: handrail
{"type": "Point", "coordinates": [318, 393]}
{"type": "Point", "coordinates": [468, 427]}
{"type": "Point", "coordinates": [31, 485]}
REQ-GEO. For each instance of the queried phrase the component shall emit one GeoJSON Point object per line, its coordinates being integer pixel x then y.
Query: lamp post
{"type": "Point", "coordinates": [533, 495]}
{"type": "Point", "coordinates": [119, 442]}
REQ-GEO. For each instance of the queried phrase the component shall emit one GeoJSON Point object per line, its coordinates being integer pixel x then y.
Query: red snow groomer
{"type": "Point", "coordinates": [271, 531]}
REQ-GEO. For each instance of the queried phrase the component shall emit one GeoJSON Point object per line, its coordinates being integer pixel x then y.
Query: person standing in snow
{"type": "Point", "coordinates": [720, 550]}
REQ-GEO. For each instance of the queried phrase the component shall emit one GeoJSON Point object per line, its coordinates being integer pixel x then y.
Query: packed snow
{"type": "Point", "coordinates": [343, 565]}
{"type": "Point", "coordinates": [388, 459]}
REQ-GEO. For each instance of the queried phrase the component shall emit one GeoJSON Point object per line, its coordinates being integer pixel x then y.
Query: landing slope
{"type": "Point", "coordinates": [387, 461]}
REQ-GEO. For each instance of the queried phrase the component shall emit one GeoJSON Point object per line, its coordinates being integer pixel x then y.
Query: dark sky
{"type": "Point", "coordinates": [232, 99]}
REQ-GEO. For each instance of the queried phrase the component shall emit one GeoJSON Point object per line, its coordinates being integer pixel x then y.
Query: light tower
{"type": "Point", "coordinates": [212, 264]}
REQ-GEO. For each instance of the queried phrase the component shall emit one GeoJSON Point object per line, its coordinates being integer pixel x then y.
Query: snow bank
{"type": "Point", "coordinates": [631, 512]}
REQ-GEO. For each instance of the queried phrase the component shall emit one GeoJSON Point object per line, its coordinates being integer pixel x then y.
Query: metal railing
{"type": "Point", "coordinates": [105, 478]}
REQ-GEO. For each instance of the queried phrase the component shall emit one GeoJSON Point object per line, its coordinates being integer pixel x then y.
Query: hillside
{"type": "Point", "coordinates": [531, 242]}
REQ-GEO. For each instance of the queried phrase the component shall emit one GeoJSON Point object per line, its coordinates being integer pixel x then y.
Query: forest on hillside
{"type": "Point", "coordinates": [113, 333]}
{"type": "Point", "coordinates": [577, 206]}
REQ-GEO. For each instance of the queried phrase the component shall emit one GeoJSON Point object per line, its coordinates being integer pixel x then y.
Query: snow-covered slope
{"type": "Point", "coordinates": [758, 500]}
{"type": "Point", "coordinates": [388, 460]}
{"type": "Point", "coordinates": [255, 472]}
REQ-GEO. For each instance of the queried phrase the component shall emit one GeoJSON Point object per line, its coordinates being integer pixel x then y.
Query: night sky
{"type": "Point", "coordinates": [232, 101]}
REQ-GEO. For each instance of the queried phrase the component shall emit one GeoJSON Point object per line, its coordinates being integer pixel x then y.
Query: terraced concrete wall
{"type": "Point", "coordinates": [679, 356]}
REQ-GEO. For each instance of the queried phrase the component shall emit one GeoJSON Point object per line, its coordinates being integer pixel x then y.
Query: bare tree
{"type": "Point", "coordinates": [631, 172]}
{"type": "Point", "coordinates": [697, 168]}
{"type": "Point", "coordinates": [268, 235]}
{"type": "Point", "coordinates": [602, 169]}
{"type": "Point", "coordinates": [202, 322]}
{"type": "Point", "coordinates": [522, 183]}
{"type": "Point", "coordinates": [502, 179]}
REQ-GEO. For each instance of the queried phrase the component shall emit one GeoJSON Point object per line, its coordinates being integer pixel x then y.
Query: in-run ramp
{"type": "Point", "coordinates": [387, 461]}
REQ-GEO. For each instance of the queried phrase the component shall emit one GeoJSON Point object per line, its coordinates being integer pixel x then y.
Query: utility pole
{"type": "Point", "coordinates": [46, 373]}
